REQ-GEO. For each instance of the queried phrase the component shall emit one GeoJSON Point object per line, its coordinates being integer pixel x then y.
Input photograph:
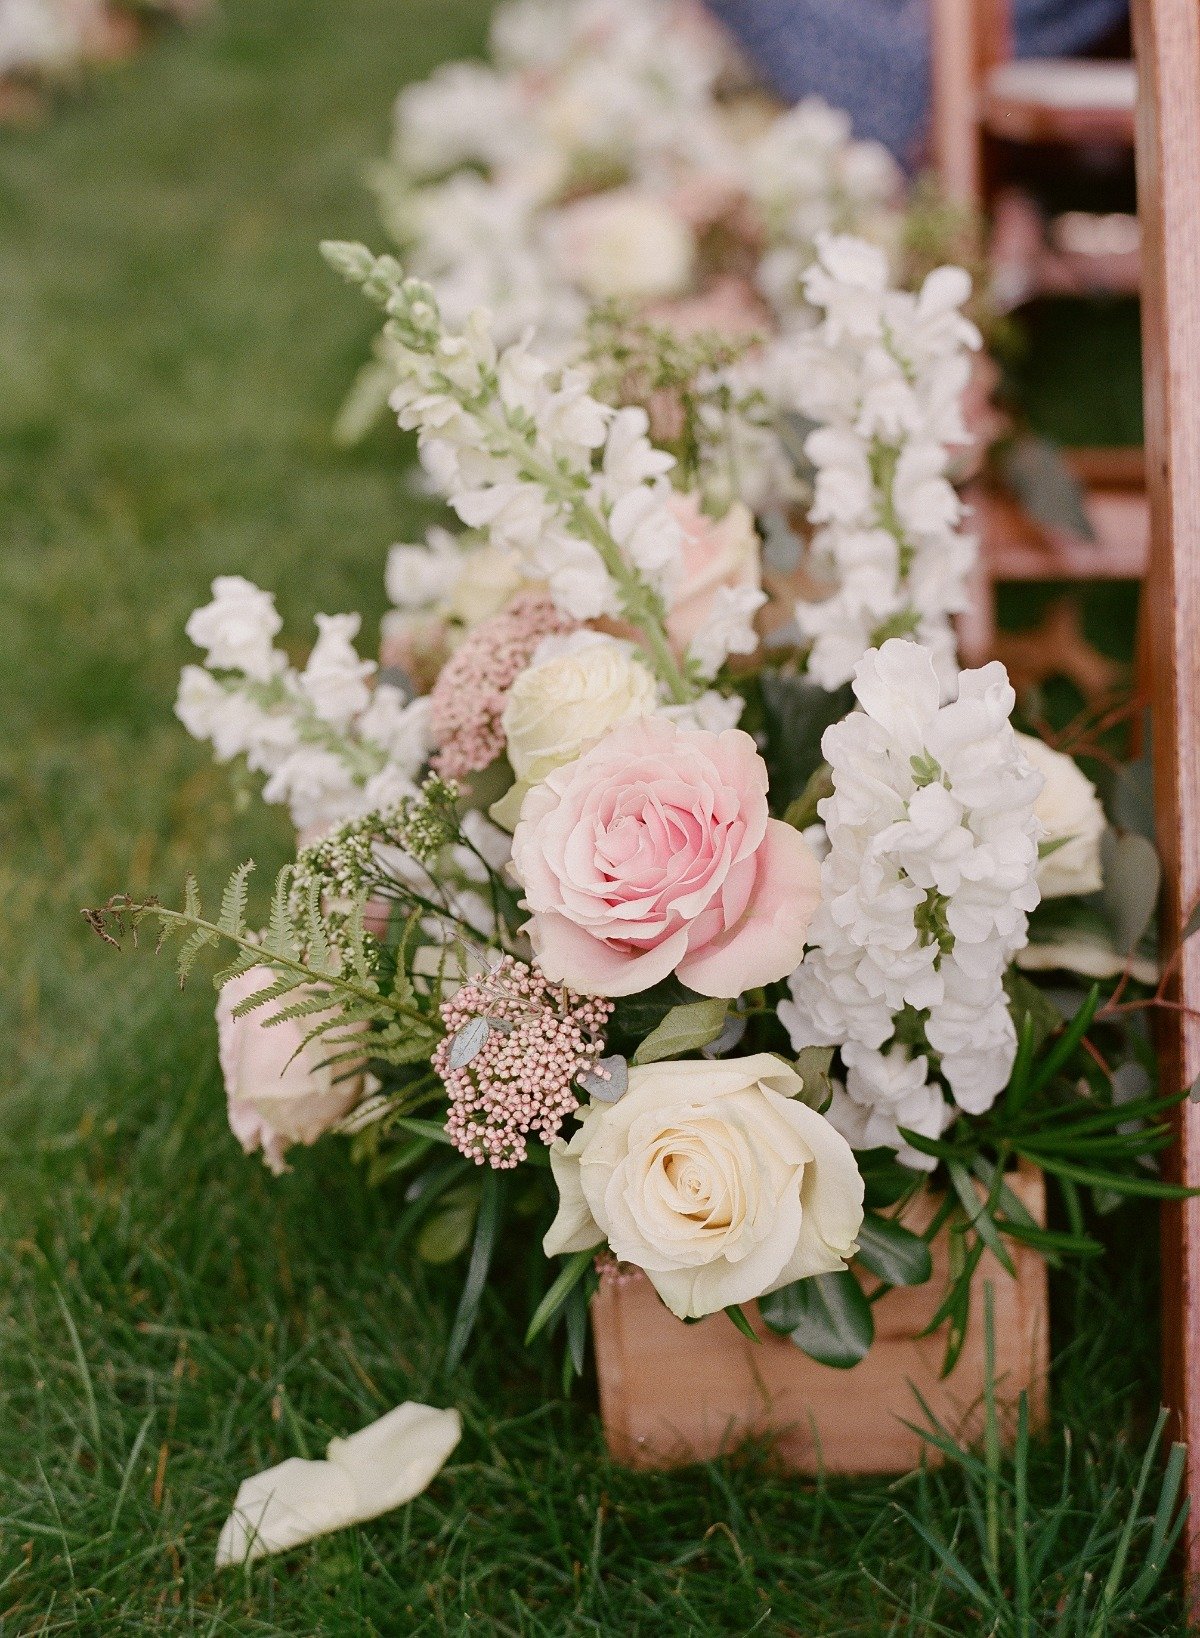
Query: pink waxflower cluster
{"type": "Point", "coordinates": [468, 698]}
{"type": "Point", "coordinates": [541, 1037]}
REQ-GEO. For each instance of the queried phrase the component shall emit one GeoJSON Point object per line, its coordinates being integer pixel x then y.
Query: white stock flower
{"type": "Point", "coordinates": [237, 627]}
{"type": "Point", "coordinates": [885, 1091]}
{"type": "Point", "coordinates": [712, 1177]}
{"type": "Point", "coordinates": [884, 373]}
{"type": "Point", "coordinates": [421, 577]}
{"type": "Point", "coordinates": [1072, 819]}
{"type": "Point", "coordinates": [931, 871]}
{"type": "Point", "coordinates": [380, 1467]}
{"type": "Point", "coordinates": [335, 679]}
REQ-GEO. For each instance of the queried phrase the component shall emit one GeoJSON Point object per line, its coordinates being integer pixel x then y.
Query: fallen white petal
{"type": "Point", "coordinates": [380, 1467]}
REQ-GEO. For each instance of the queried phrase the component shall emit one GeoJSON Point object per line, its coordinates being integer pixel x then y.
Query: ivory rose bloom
{"type": "Point", "coordinates": [652, 854]}
{"type": "Point", "coordinates": [575, 689]}
{"type": "Point", "coordinates": [1071, 816]}
{"type": "Point", "coordinates": [714, 1179]}
{"type": "Point", "coordinates": [623, 245]}
{"type": "Point", "coordinates": [277, 1095]}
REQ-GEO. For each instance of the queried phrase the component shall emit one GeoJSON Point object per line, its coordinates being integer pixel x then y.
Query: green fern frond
{"type": "Point", "coordinates": [283, 984]}
{"type": "Point", "coordinates": [232, 920]}
{"type": "Point", "coordinates": [280, 937]}
{"type": "Point", "coordinates": [198, 940]}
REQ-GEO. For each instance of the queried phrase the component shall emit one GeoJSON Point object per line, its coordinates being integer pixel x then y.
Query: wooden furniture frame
{"type": "Point", "coordinates": [1167, 41]}
{"type": "Point", "coordinates": [971, 45]}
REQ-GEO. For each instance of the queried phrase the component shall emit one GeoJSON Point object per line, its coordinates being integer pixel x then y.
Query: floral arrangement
{"type": "Point", "coordinates": [613, 154]}
{"type": "Point", "coordinates": [672, 896]}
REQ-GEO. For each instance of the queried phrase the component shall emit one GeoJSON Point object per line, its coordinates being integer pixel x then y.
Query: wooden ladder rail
{"type": "Point", "coordinates": [1167, 46]}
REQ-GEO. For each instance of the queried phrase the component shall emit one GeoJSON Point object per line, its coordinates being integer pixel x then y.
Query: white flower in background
{"type": "Point", "coordinates": [463, 114]}
{"type": "Point", "coordinates": [729, 628]}
{"type": "Point", "coordinates": [421, 577]}
{"type": "Point", "coordinates": [335, 679]}
{"type": "Point", "coordinates": [930, 875]}
{"type": "Point", "coordinates": [380, 1467]}
{"type": "Point", "coordinates": [331, 747]}
{"type": "Point", "coordinates": [884, 373]}
{"type": "Point", "coordinates": [1073, 823]}
{"type": "Point", "coordinates": [713, 1178]}
{"type": "Point", "coordinates": [622, 245]}
{"type": "Point", "coordinates": [237, 629]}
{"type": "Point", "coordinates": [491, 576]}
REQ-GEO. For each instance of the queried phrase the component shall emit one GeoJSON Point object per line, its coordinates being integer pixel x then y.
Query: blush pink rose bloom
{"type": "Point", "coordinates": [278, 1095]}
{"type": "Point", "coordinates": [714, 555]}
{"type": "Point", "coordinates": [654, 854]}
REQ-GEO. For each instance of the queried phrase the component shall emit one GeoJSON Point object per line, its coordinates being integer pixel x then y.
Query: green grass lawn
{"type": "Point", "coordinates": [171, 1318]}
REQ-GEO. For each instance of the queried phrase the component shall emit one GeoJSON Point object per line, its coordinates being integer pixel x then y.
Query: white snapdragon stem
{"type": "Point", "coordinates": [462, 409]}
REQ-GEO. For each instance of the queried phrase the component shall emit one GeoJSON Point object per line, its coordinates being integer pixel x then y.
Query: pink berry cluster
{"type": "Point", "coordinates": [469, 696]}
{"type": "Point", "coordinates": [521, 1080]}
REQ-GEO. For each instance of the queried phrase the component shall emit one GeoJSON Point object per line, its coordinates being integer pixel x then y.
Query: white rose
{"type": "Point", "coordinates": [714, 1179]}
{"type": "Point", "coordinates": [576, 689]}
{"type": "Point", "coordinates": [1073, 818]}
{"type": "Point", "coordinates": [623, 245]}
{"type": "Point", "coordinates": [279, 1091]}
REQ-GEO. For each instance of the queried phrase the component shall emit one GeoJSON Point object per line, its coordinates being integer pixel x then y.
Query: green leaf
{"type": "Point", "coordinates": [1132, 877]}
{"type": "Point", "coordinates": [827, 1316]}
{"type": "Point", "coordinates": [684, 1029]}
{"type": "Point", "coordinates": [893, 1252]}
{"type": "Point", "coordinates": [1060, 1053]}
{"type": "Point", "coordinates": [486, 1227]}
{"type": "Point", "coordinates": [812, 1066]}
{"type": "Point", "coordinates": [979, 1215]}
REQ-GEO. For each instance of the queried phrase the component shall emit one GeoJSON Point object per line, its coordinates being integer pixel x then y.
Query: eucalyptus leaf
{"type": "Point", "coordinates": [684, 1029]}
{"type": "Point", "coordinates": [608, 1082]}
{"type": "Point", "coordinates": [812, 1066]}
{"type": "Point", "coordinates": [893, 1252]}
{"type": "Point", "coordinates": [447, 1233]}
{"type": "Point", "coordinates": [1132, 877]}
{"type": "Point", "coordinates": [827, 1316]}
{"type": "Point", "coordinates": [1039, 476]}
{"type": "Point", "coordinates": [469, 1042]}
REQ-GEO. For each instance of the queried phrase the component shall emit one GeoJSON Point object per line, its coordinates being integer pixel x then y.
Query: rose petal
{"type": "Point", "coordinates": [768, 942]}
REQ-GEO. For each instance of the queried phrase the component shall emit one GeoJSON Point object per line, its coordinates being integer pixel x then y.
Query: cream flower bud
{"type": "Point", "coordinates": [1073, 821]}
{"type": "Point", "coordinates": [714, 1179]}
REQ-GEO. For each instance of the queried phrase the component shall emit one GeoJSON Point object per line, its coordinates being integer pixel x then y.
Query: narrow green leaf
{"type": "Point", "coordinates": [741, 1323]}
{"type": "Point", "coordinates": [565, 1281]}
{"type": "Point", "coordinates": [486, 1227]}
{"type": "Point", "coordinates": [1066, 1044]}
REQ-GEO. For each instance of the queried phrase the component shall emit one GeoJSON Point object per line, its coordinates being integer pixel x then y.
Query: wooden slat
{"type": "Point", "coordinates": [1167, 42]}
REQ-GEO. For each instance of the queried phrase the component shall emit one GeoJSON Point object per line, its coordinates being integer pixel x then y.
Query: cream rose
{"type": "Point", "coordinates": [491, 577]}
{"type": "Point", "coordinates": [623, 245]}
{"type": "Point", "coordinates": [1074, 822]}
{"type": "Point", "coordinates": [575, 690]}
{"type": "Point", "coordinates": [279, 1091]}
{"type": "Point", "coordinates": [714, 1179]}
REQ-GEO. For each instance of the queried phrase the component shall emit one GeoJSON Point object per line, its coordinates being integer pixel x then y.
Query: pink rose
{"type": "Point", "coordinates": [278, 1095]}
{"type": "Point", "coordinates": [714, 555]}
{"type": "Point", "coordinates": [654, 854]}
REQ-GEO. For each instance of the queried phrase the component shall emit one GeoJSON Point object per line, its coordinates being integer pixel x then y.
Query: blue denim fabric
{"type": "Point", "coordinates": [871, 57]}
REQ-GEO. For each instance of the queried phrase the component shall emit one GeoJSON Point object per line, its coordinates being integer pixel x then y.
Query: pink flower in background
{"type": "Point", "coordinates": [279, 1091]}
{"type": "Point", "coordinates": [715, 555]}
{"type": "Point", "coordinates": [654, 854]}
{"type": "Point", "coordinates": [730, 307]}
{"type": "Point", "coordinates": [468, 699]}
